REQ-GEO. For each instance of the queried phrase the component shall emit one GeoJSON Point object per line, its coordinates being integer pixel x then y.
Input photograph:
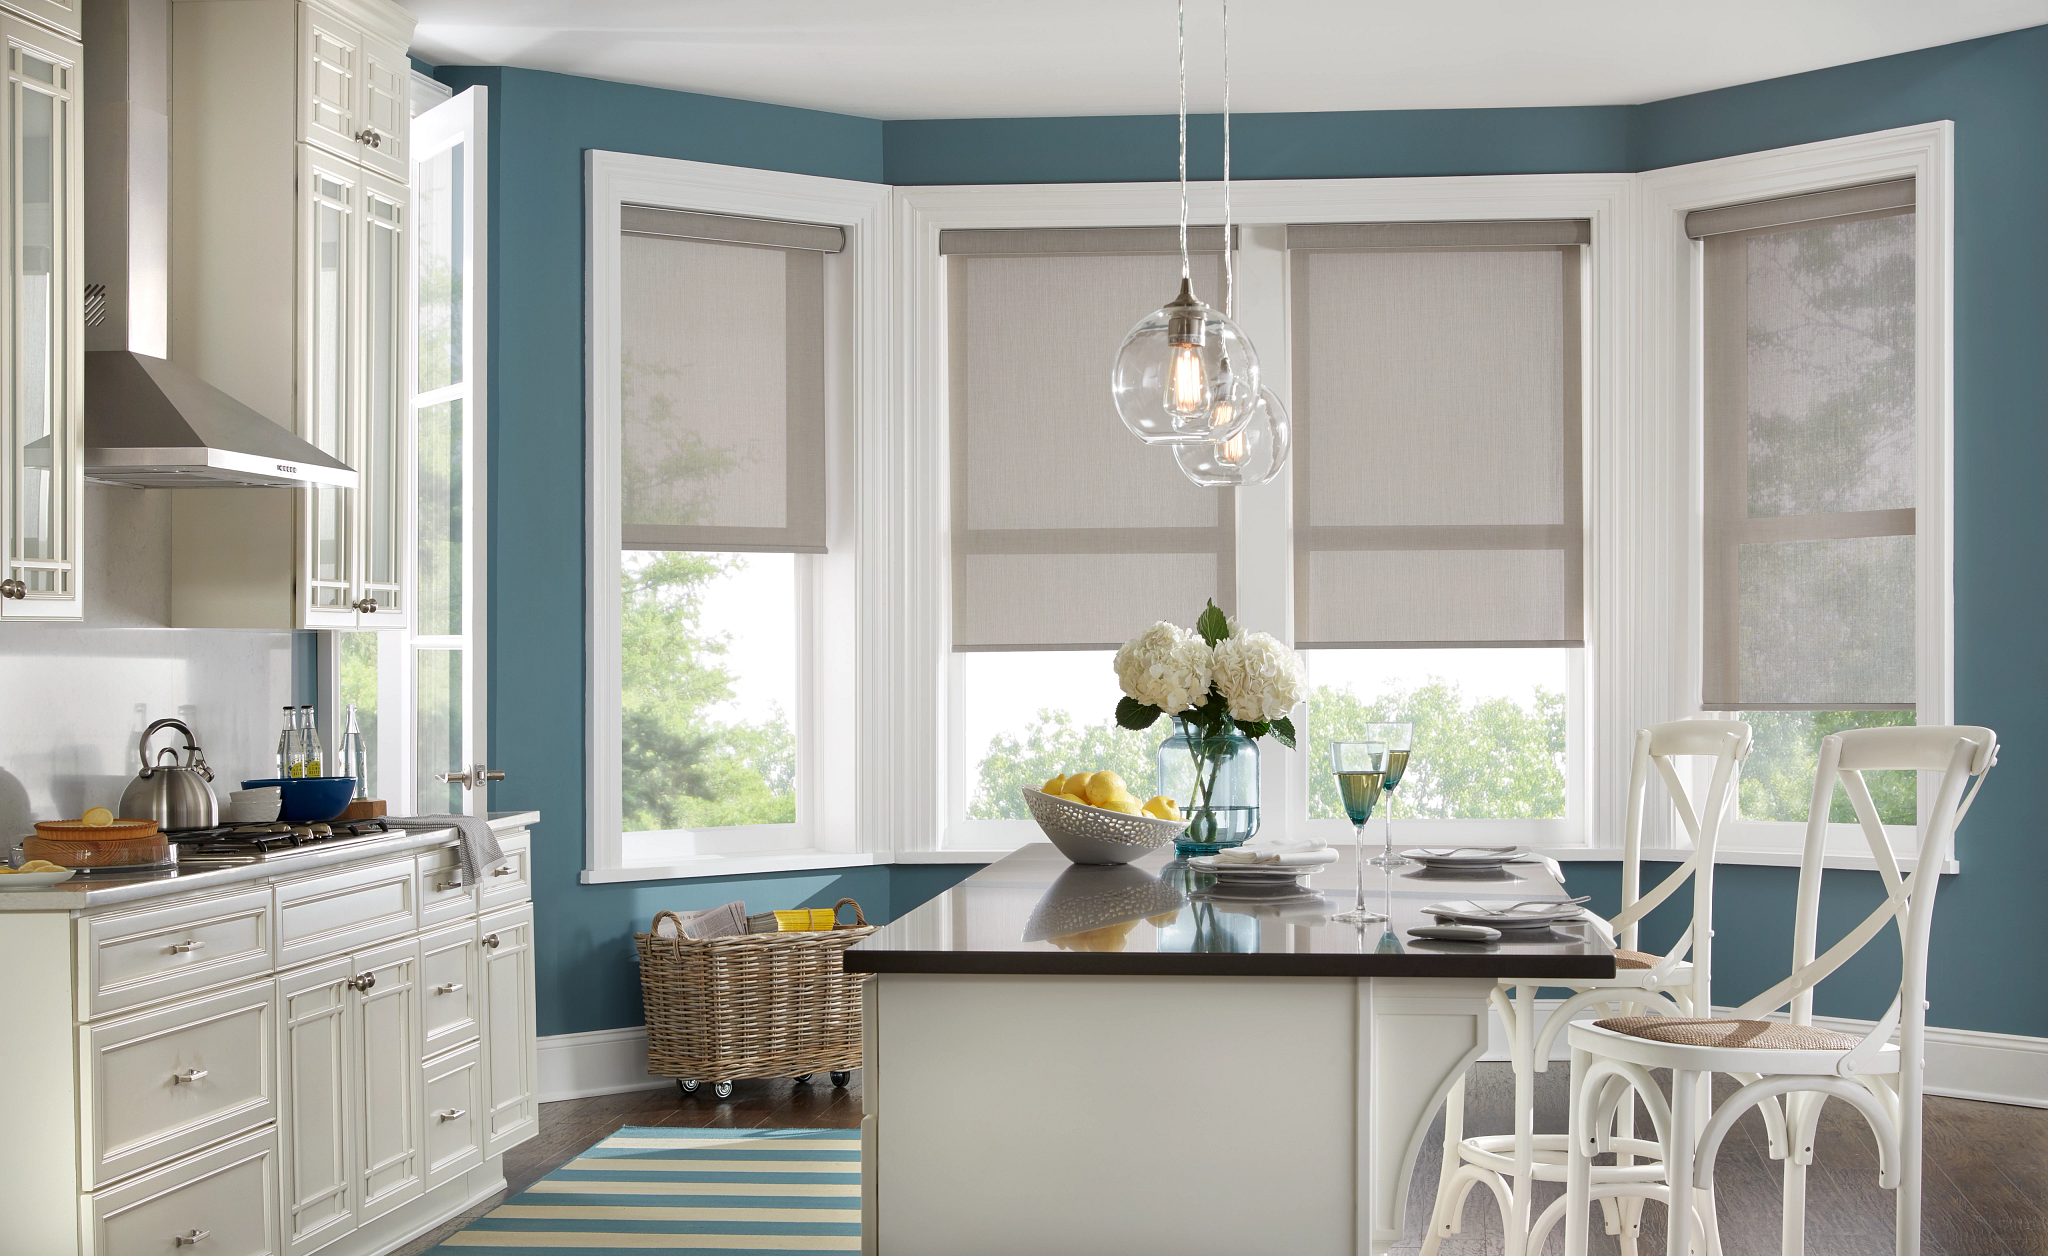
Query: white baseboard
{"type": "Point", "coordinates": [599, 1062]}
{"type": "Point", "coordinates": [1961, 1063]}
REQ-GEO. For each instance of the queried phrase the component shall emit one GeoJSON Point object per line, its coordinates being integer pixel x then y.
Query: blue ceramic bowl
{"type": "Point", "coordinates": [310, 799]}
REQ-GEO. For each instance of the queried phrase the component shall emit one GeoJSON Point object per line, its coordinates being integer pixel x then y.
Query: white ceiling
{"type": "Point", "coordinates": [1035, 58]}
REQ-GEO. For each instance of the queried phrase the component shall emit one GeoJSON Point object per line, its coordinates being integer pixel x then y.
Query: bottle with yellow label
{"type": "Point", "coordinates": [309, 738]}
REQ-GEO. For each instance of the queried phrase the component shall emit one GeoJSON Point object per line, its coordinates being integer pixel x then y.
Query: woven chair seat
{"type": "Point", "coordinates": [1626, 960]}
{"type": "Point", "coordinates": [1761, 1035]}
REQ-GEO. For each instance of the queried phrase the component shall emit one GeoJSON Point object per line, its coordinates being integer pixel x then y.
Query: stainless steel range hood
{"type": "Point", "coordinates": [148, 422]}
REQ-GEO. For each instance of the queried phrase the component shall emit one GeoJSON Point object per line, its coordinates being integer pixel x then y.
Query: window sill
{"type": "Point", "coordinates": [758, 862]}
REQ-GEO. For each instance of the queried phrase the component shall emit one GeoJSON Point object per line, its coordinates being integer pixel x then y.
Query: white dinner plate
{"type": "Point", "coordinates": [34, 880]}
{"type": "Point", "coordinates": [1503, 914]}
{"type": "Point", "coordinates": [1254, 872]}
{"type": "Point", "coordinates": [1465, 856]}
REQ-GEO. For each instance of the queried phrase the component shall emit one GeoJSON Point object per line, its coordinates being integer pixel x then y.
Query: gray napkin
{"type": "Point", "coordinates": [478, 848]}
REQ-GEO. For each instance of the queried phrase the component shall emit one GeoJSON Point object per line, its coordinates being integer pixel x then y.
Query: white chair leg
{"type": "Point", "coordinates": [1444, 1218]}
{"type": "Point", "coordinates": [1578, 1177]}
{"type": "Point", "coordinates": [1910, 1120]}
{"type": "Point", "coordinates": [1522, 1057]}
{"type": "Point", "coordinates": [1680, 1237]}
{"type": "Point", "coordinates": [1792, 1241]}
{"type": "Point", "coordinates": [1630, 1222]}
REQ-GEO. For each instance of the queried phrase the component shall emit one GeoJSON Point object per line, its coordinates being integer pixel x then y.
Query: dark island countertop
{"type": "Point", "coordinates": [1032, 912]}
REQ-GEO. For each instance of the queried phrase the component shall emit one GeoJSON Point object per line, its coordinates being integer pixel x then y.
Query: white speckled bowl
{"type": "Point", "coordinates": [1091, 835]}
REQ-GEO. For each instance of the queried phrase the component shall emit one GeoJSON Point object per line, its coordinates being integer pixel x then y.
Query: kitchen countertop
{"type": "Point", "coordinates": [83, 893]}
{"type": "Point", "coordinates": [1003, 919]}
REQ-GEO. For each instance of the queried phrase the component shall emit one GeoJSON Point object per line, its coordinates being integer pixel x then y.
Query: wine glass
{"type": "Point", "coordinates": [1397, 738]}
{"type": "Point", "coordinates": [1360, 768]}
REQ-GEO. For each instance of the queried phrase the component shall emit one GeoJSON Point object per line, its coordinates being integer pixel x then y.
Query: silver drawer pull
{"type": "Point", "coordinates": [453, 1114]}
{"type": "Point", "coordinates": [191, 1238]}
{"type": "Point", "coordinates": [446, 886]}
{"type": "Point", "coordinates": [189, 1075]}
{"type": "Point", "coordinates": [505, 871]}
{"type": "Point", "coordinates": [186, 948]}
{"type": "Point", "coordinates": [448, 987]}
{"type": "Point", "coordinates": [491, 941]}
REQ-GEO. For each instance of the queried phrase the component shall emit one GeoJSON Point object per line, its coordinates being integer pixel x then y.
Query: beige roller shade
{"type": "Point", "coordinates": [1437, 385]}
{"type": "Point", "coordinates": [1810, 564]}
{"type": "Point", "coordinates": [684, 224]}
{"type": "Point", "coordinates": [1068, 532]}
{"type": "Point", "coordinates": [723, 392]}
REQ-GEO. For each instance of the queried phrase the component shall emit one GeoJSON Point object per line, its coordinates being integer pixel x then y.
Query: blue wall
{"type": "Point", "coordinates": [1996, 91]}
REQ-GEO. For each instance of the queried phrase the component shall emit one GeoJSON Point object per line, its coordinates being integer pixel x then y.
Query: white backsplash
{"type": "Point", "coordinates": [75, 697]}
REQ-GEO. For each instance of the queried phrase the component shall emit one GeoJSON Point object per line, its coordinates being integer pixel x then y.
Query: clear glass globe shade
{"type": "Point", "coordinates": [1253, 456]}
{"type": "Point", "coordinates": [1188, 393]}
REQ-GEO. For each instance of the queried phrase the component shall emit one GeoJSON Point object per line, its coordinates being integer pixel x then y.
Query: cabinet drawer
{"type": "Point", "coordinates": [455, 1119]}
{"type": "Point", "coordinates": [510, 880]}
{"type": "Point", "coordinates": [449, 989]}
{"type": "Point", "coordinates": [221, 1202]}
{"type": "Point", "coordinates": [441, 899]}
{"type": "Point", "coordinates": [344, 911]}
{"type": "Point", "coordinates": [141, 957]}
{"type": "Point", "coordinates": [161, 1083]}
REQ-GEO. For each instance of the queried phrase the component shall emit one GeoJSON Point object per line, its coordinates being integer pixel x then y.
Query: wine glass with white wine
{"type": "Point", "coordinates": [1360, 768]}
{"type": "Point", "coordinates": [1397, 738]}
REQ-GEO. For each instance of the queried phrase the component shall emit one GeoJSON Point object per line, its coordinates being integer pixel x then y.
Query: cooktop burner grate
{"type": "Point", "coordinates": [247, 843]}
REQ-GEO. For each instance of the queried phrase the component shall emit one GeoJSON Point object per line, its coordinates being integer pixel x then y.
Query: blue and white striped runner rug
{"type": "Point", "coordinates": [707, 1192]}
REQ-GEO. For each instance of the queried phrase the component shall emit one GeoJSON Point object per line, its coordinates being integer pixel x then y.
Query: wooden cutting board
{"type": "Point", "coordinates": [117, 852]}
{"type": "Point", "coordinates": [80, 831]}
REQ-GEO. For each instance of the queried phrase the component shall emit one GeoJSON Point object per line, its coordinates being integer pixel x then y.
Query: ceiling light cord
{"type": "Point", "coordinates": [1229, 243]}
{"type": "Point", "coordinates": [1185, 271]}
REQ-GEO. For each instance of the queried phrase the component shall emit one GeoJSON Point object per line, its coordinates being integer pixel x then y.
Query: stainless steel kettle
{"type": "Point", "coordinates": [175, 795]}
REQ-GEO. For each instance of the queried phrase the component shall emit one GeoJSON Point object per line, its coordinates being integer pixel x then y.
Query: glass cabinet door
{"type": "Point", "coordinates": [382, 460]}
{"type": "Point", "coordinates": [43, 485]}
{"type": "Point", "coordinates": [330, 197]}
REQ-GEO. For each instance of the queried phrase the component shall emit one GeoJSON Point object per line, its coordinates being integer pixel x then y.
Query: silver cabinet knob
{"type": "Point", "coordinates": [491, 941]}
{"type": "Point", "coordinates": [367, 606]}
{"type": "Point", "coordinates": [363, 983]}
{"type": "Point", "coordinates": [189, 1075]}
{"type": "Point", "coordinates": [368, 135]}
{"type": "Point", "coordinates": [453, 1114]}
{"type": "Point", "coordinates": [189, 1238]}
{"type": "Point", "coordinates": [13, 588]}
{"type": "Point", "coordinates": [186, 948]}
{"type": "Point", "coordinates": [448, 987]}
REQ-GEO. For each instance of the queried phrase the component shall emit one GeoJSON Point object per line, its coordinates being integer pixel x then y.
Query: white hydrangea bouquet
{"type": "Point", "coordinates": [1211, 680]}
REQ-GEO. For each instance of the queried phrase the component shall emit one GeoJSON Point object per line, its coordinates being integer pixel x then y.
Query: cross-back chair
{"type": "Point", "coordinates": [1792, 1062]}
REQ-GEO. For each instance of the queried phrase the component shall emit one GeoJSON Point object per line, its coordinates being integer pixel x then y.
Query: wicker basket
{"type": "Point", "coordinates": [752, 1004]}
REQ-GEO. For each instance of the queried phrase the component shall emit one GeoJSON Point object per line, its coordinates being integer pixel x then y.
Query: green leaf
{"type": "Point", "coordinates": [1213, 624]}
{"type": "Point", "coordinates": [1253, 729]}
{"type": "Point", "coordinates": [1136, 715]}
{"type": "Point", "coordinates": [1283, 732]}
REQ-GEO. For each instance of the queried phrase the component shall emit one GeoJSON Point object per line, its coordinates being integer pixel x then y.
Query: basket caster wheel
{"type": "Point", "coordinates": [840, 1077]}
{"type": "Point", "coordinates": [688, 1087]}
{"type": "Point", "coordinates": [802, 1079]}
{"type": "Point", "coordinates": [722, 1089]}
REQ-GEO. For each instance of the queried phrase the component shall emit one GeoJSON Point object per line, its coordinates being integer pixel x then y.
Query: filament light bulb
{"type": "Point", "coordinates": [1188, 395]}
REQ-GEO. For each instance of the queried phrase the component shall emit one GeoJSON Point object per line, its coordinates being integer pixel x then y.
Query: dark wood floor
{"type": "Point", "coordinates": [1986, 1181]}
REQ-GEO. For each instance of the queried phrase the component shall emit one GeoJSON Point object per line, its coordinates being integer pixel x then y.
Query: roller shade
{"type": "Point", "coordinates": [1810, 411]}
{"type": "Point", "coordinates": [1437, 402]}
{"type": "Point", "coordinates": [1059, 241]}
{"type": "Point", "coordinates": [723, 384]}
{"type": "Point", "coordinates": [1067, 532]}
{"type": "Point", "coordinates": [684, 224]}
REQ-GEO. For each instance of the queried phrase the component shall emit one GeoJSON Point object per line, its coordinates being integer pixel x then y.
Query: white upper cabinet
{"type": "Point", "coordinates": [62, 14]}
{"type": "Point", "coordinates": [290, 246]}
{"type": "Point", "coordinates": [41, 435]}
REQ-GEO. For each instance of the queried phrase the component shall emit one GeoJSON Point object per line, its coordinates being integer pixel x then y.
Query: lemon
{"type": "Point", "coordinates": [1077, 784]}
{"type": "Point", "coordinates": [1077, 798]}
{"type": "Point", "coordinates": [1103, 786]}
{"type": "Point", "coordinates": [97, 817]}
{"type": "Point", "coordinates": [1056, 786]}
{"type": "Point", "coordinates": [1125, 803]}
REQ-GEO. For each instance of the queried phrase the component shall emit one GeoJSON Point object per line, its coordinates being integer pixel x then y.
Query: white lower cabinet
{"type": "Point", "coordinates": [387, 985]}
{"type": "Point", "coordinates": [455, 1114]}
{"type": "Point", "coordinates": [316, 1063]}
{"type": "Point", "coordinates": [221, 1202]}
{"type": "Point", "coordinates": [511, 1066]}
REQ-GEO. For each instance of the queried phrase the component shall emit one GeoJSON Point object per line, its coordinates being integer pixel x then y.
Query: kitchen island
{"type": "Point", "coordinates": [1105, 1059]}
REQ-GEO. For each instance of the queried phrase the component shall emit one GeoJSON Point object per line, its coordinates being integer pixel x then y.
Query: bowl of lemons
{"type": "Point", "coordinates": [1092, 818]}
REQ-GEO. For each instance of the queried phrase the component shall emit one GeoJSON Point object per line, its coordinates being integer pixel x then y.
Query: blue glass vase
{"type": "Point", "coordinates": [1216, 782]}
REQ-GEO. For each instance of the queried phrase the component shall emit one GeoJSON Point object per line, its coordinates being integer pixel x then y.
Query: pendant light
{"type": "Point", "coordinates": [1255, 453]}
{"type": "Point", "coordinates": [1185, 374]}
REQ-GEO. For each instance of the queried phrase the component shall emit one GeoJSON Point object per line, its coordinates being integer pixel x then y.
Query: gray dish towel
{"type": "Point", "coordinates": [477, 850]}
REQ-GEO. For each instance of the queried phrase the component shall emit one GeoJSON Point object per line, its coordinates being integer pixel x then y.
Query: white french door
{"type": "Point", "coordinates": [419, 693]}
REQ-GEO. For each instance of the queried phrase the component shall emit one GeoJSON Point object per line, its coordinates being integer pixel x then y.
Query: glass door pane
{"type": "Point", "coordinates": [439, 727]}
{"type": "Point", "coordinates": [440, 550]}
{"type": "Point", "coordinates": [42, 509]}
{"type": "Point", "coordinates": [383, 456]}
{"type": "Point", "coordinates": [327, 416]}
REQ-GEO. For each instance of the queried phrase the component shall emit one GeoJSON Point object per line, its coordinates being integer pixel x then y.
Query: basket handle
{"type": "Point", "coordinates": [654, 930]}
{"type": "Point", "coordinates": [859, 921]}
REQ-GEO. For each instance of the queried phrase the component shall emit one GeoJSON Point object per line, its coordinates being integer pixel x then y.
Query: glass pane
{"type": "Point", "coordinates": [359, 657]}
{"type": "Point", "coordinates": [440, 520]}
{"type": "Point", "coordinates": [330, 313]}
{"type": "Point", "coordinates": [1489, 728]}
{"type": "Point", "coordinates": [1033, 715]}
{"type": "Point", "coordinates": [1777, 778]}
{"type": "Point", "coordinates": [437, 723]}
{"type": "Point", "coordinates": [330, 511]}
{"type": "Point", "coordinates": [709, 694]}
{"type": "Point", "coordinates": [38, 69]}
{"type": "Point", "coordinates": [40, 508]}
{"type": "Point", "coordinates": [440, 223]}
{"type": "Point", "coordinates": [1830, 327]}
{"type": "Point", "coordinates": [382, 466]}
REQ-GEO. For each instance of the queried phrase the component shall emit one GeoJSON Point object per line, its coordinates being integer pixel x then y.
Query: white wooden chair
{"type": "Point", "coordinates": [1675, 983]}
{"type": "Point", "coordinates": [1804, 1064]}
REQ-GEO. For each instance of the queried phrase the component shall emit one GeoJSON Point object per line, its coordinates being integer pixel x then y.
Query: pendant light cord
{"type": "Point", "coordinates": [1185, 271]}
{"type": "Point", "coordinates": [1229, 241]}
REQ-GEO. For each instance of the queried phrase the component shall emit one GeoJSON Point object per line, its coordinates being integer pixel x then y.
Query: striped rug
{"type": "Point", "coordinates": [707, 1192]}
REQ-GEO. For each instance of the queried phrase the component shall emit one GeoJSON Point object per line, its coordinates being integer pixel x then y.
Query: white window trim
{"type": "Point", "coordinates": [832, 830]}
{"type": "Point", "coordinates": [1265, 598]}
{"type": "Point", "coordinates": [1671, 453]}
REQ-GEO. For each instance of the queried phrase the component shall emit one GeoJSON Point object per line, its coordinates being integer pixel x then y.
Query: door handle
{"type": "Point", "coordinates": [470, 778]}
{"type": "Point", "coordinates": [448, 987]}
{"type": "Point", "coordinates": [185, 948]}
{"type": "Point", "coordinates": [189, 1075]}
{"type": "Point", "coordinates": [368, 605]}
{"type": "Point", "coordinates": [453, 1114]}
{"type": "Point", "coordinates": [13, 588]}
{"type": "Point", "coordinates": [491, 941]}
{"type": "Point", "coordinates": [368, 135]}
{"type": "Point", "coordinates": [363, 983]}
{"type": "Point", "coordinates": [190, 1238]}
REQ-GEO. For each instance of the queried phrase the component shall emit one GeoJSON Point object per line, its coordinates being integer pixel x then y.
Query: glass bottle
{"type": "Point", "coordinates": [288, 760]}
{"type": "Point", "coordinates": [354, 762]}
{"type": "Point", "coordinates": [309, 737]}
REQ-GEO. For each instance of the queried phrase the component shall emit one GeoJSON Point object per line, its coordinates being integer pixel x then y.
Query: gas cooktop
{"type": "Point", "coordinates": [253, 843]}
